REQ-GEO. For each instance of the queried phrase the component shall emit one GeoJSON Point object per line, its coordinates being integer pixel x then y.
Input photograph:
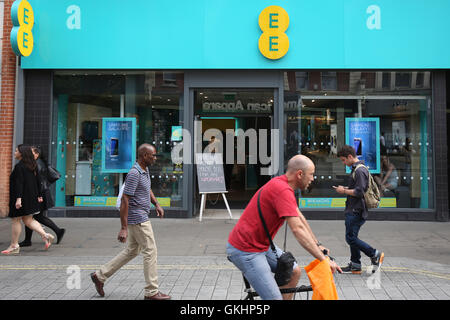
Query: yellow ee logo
{"type": "Point", "coordinates": [273, 43]}
{"type": "Point", "coordinates": [22, 16]}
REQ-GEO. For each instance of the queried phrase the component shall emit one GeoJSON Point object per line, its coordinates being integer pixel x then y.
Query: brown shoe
{"type": "Point", "coordinates": [98, 284]}
{"type": "Point", "coordinates": [158, 296]}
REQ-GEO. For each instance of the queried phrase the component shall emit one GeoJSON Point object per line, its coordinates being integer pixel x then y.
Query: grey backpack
{"type": "Point", "coordinates": [372, 195]}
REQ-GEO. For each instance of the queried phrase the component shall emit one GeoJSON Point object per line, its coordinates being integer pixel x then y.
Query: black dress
{"type": "Point", "coordinates": [23, 183]}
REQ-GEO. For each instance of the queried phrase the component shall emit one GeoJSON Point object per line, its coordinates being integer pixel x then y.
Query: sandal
{"type": "Point", "coordinates": [11, 250]}
{"type": "Point", "coordinates": [48, 240]}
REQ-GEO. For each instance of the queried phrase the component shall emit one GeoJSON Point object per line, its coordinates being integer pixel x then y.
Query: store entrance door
{"type": "Point", "coordinates": [239, 120]}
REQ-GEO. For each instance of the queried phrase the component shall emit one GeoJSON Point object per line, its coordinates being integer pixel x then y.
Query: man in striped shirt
{"type": "Point", "coordinates": [136, 227]}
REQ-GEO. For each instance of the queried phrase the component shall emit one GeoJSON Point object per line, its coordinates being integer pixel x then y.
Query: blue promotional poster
{"type": "Point", "coordinates": [118, 144]}
{"type": "Point", "coordinates": [364, 135]}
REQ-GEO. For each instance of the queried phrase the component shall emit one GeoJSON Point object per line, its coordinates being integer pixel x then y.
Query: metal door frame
{"type": "Point", "coordinates": [239, 79]}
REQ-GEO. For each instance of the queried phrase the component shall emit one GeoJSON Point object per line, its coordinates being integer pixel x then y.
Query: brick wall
{"type": "Point", "coordinates": [8, 66]}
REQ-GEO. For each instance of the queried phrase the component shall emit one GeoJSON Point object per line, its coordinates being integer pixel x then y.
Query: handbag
{"type": "Point", "coordinates": [285, 263]}
{"type": "Point", "coordinates": [52, 174]}
{"type": "Point", "coordinates": [48, 200]}
{"type": "Point", "coordinates": [119, 197]}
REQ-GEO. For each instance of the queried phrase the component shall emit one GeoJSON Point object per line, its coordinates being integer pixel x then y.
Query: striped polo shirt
{"type": "Point", "coordinates": [137, 186]}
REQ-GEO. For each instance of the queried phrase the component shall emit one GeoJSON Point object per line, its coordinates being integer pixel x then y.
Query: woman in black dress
{"type": "Point", "coordinates": [24, 199]}
{"type": "Point", "coordinates": [48, 202]}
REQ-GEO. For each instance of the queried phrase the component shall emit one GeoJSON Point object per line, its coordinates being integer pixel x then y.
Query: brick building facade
{"type": "Point", "coordinates": [8, 76]}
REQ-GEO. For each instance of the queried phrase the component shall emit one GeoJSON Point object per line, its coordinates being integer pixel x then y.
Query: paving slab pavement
{"type": "Point", "coordinates": [192, 263]}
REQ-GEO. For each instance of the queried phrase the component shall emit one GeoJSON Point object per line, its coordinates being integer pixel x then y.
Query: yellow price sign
{"type": "Point", "coordinates": [273, 42]}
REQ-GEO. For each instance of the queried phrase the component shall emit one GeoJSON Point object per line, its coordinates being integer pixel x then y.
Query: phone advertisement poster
{"type": "Point", "coordinates": [118, 144]}
{"type": "Point", "coordinates": [363, 134]}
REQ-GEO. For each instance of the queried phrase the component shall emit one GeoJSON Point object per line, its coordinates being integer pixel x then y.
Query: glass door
{"type": "Point", "coordinates": [238, 124]}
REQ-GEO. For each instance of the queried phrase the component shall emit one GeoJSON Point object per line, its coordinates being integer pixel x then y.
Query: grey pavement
{"type": "Point", "coordinates": [192, 263]}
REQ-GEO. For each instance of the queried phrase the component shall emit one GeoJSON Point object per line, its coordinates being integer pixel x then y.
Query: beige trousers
{"type": "Point", "coordinates": [140, 240]}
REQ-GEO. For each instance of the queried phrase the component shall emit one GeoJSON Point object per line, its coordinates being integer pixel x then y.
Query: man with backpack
{"type": "Point", "coordinates": [362, 193]}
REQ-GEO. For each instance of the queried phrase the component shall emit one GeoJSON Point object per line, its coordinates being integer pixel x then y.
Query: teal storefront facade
{"type": "Point", "coordinates": [299, 73]}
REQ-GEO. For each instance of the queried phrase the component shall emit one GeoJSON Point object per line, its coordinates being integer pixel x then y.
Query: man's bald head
{"type": "Point", "coordinates": [146, 154]}
{"type": "Point", "coordinates": [299, 162]}
{"type": "Point", "coordinates": [300, 172]}
{"type": "Point", "coordinates": [144, 149]}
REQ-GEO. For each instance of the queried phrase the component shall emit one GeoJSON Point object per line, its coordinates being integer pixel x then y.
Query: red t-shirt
{"type": "Point", "coordinates": [277, 201]}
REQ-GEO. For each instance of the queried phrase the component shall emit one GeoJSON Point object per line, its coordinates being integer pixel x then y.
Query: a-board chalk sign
{"type": "Point", "coordinates": [210, 174]}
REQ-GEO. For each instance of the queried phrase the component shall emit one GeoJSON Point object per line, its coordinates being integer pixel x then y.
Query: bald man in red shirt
{"type": "Point", "coordinates": [248, 245]}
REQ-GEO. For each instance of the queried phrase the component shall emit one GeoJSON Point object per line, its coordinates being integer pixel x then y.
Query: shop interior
{"type": "Point", "coordinates": [241, 179]}
{"type": "Point", "coordinates": [317, 130]}
{"type": "Point", "coordinates": [83, 100]}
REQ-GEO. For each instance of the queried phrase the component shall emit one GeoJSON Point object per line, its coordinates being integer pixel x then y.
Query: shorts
{"type": "Point", "coordinates": [258, 269]}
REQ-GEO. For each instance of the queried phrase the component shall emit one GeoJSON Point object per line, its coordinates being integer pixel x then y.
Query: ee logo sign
{"type": "Point", "coordinates": [23, 20]}
{"type": "Point", "coordinates": [273, 42]}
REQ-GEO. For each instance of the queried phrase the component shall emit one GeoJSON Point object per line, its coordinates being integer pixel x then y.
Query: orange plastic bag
{"type": "Point", "coordinates": [322, 282]}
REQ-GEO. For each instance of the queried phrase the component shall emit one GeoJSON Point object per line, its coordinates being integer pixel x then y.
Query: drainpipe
{"type": "Point", "coordinates": [18, 109]}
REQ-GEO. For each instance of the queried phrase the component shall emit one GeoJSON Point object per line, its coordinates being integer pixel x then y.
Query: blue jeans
{"type": "Point", "coordinates": [258, 269]}
{"type": "Point", "coordinates": [354, 222]}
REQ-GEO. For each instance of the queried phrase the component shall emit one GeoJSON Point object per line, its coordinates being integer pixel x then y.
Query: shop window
{"type": "Point", "coordinates": [170, 79]}
{"type": "Point", "coordinates": [301, 80]}
{"type": "Point", "coordinates": [82, 101]}
{"type": "Point", "coordinates": [329, 81]}
{"type": "Point", "coordinates": [386, 80]}
{"type": "Point", "coordinates": [420, 79]}
{"type": "Point", "coordinates": [403, 79]}
{"type": "Point", "coordinates": [317, 128]}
